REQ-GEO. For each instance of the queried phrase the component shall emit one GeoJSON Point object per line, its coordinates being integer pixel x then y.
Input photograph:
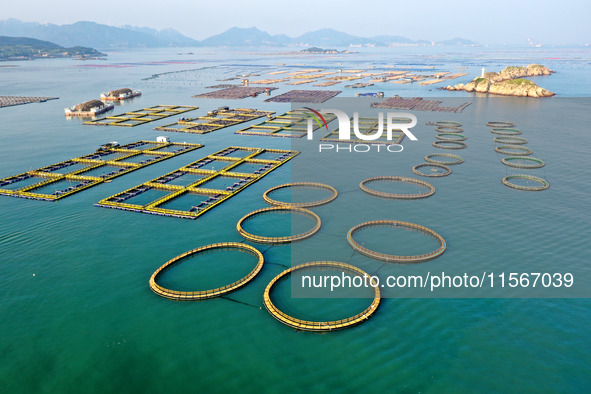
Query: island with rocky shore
{"type": "Point", "coordinates": [508, 82]}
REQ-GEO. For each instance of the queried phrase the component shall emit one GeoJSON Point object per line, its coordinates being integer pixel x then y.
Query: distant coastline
{"type": "Point", "coordinates": [25, 48]}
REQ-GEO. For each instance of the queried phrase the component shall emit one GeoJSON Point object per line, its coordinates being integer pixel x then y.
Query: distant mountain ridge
{"type": "Point", "coordinates": [95, 35]}
{"type": "Point", "coordinates": [252, 36]}
{"type": "Point", "coordinates": [103, 37]}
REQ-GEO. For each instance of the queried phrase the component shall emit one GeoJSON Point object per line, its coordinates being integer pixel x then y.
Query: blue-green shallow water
{"type": "Point", "coordinates": [78, 316]}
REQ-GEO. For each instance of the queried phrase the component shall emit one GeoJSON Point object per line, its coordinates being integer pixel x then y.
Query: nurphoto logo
{"type": "Point", "coordinates": [395, 121]}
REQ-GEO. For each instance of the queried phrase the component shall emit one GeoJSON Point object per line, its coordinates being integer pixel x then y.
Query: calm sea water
{"type": "Point", "coordinates": [77, 313]}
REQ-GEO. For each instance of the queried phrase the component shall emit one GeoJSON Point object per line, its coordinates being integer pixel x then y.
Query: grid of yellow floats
{"type": "Point", "coordinates": [215, 196]}
{"type": "Point", "coordinates": [292, 124]}
{"type": "Point", "coordinates": [141, 116]}
{"type": "Point", "coordinates": [52, 174]}
{"type": "Point", "coordinates": [215, 120]}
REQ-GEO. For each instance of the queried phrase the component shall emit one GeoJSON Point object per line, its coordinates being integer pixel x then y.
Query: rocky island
{"type": "Point", "coordinates": [508, 82]}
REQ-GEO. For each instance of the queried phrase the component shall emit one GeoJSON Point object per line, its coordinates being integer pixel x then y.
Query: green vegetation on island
{"type": "Point", "coordinates": [24, 48]}
{"type": "Point", "coordinates": [508, 82]}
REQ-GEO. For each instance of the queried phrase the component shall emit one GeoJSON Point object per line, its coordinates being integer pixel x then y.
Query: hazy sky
{"type": "Point", "coordinates": [495, 22]}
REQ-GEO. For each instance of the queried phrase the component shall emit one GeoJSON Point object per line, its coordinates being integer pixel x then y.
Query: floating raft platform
{"type": "Point", "coordinates": [397, 258]}
{"type": "Point", "coordinates": [359, 85]}
{"type": "Point", "coordinates": [179, 295]}
{"type": "Point", "coordinates": [418, 104]}
{"type": "Point", "coordinates": [215, 121]}
{"type": "Point", "coordinates": [279, 240]}
{"type": "Point", "coordinates": [63, 179]}
{"type": "Point", "coordinates": [327, 83]}
{"type": "Point", "coordinates": [322, 326]}
{"type": "Point", "coordinates": [196, 188]}
{"type": "Point", "coordinates": [141, 116]}
{"type": "Point", "coordinates": [304, 96]}
{"type": "Point", "coordinates": [236, 92]}
{"type": "Point", "coordinates": [268, 81]}
{"type": "Point", "coordinates": [223, 86]}
{"type": "Point", "coordinates": [367, 126]}
{"type": "Point", "coordinates": [301, 81]}
{"type": "Point", "coordinates": [292, 124]}
{"type": "Point", "coordinates": [9, 101]}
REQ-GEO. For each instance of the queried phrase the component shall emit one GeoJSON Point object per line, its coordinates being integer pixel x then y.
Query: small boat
{"type": "Point", "coordinates": [108, 146]}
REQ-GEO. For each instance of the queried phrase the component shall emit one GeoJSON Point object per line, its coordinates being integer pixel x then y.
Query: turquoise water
{"type": "Point", "coordinates": [78, 316]}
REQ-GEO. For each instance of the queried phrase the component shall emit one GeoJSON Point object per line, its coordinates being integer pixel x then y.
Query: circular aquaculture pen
{"type": "Point", "coordinates": [435, 170]}
{"type": "Point", "coordinates": [500, 124]}
{"type": "Point", "coordinates": [278, 240]}
{"type": "Point", "coordinates": [451, 123]}
{"type": "Point", "coordinates": [543, 184]}
{"type": "Point", "coordinates": [451, 137]}
{"type": "Point", "coordinates": [316, 203]}
{"type": "Point", "coordinates": [309, 325]}
{"type": "Point", "coordinates": [449, 129]}
{"type": "Point", "coordinates": [456, 159]}
{"type": "Point", "coordinates": [397, 258]}
{"type": "Point", "coordinates": [510, 140]}
{"type": "Point", "coordinates": [205, 294]}
{"type": "Point", "coordinates": [513, 150]}
{"type": "Point", "coordinates": [507, 131]}
{"type": "Point", "coordinates": [523, 162]}
{"type": "Point", "coordinates": [430, 188]}
{"type": "Point", "coordinates": [450, 145]}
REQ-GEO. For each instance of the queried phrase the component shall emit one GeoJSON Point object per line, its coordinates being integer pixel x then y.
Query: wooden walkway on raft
{"type": "Point", "coordinates": [141, 116]}
{"type": "Point", "coordinates": [77, 170]}
{"type": "Point", "coordinates": [232, 158]}
{"type": "Point", "coordinates": [215, 121]}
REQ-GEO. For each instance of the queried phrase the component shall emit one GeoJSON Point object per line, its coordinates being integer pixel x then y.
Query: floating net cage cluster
{"type": "Point", "coordinates": [429, 192]}
{"type": "Point", "coordinates": [448, 123]}
{"type": "Point", "coordinates": [500, 124]}
{"type": "Point", "coordinates": [506, 131]}
{"type": "Point", "coordinates": [449, 136]}
{"type": "Point", "coordinates": [518, 156]}
{"type": "Point", "coordinates": [509, 140]}
{"type": "Point", "coordinates": [397, 258]}
{"type": "Point", "coordinates": [450, 144]}
{"type": "Point", "coordinates": [279, 240]}
{"type": "Point", "coordinates": [308, 325]}
{"type": "Point", "coordinates": [514, 150]}
{"type": "Point", "coordinates": [523, 162]}
{"type": "Point", "coordinates": [437, 170]}
{"type": "Point", "coordinates": [313, 185]}
{"type": "Point", "coordinates": [449, 129]}
{"type": "Point", "coordinates": [542, 183]}
{"type": "Point", "coordinates": [211, 293]}
{"type": "Point", "coordinates": [432, 158]}
{"type": "Point", "coordinates": [278, 206]}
